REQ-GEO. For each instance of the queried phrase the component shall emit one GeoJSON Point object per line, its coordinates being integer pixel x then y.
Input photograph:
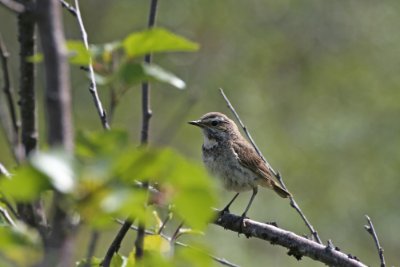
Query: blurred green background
{"type": "Point", "coordinates": [316, 82]}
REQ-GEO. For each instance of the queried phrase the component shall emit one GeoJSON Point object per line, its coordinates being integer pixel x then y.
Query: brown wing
{"type": "Point", "coordinates": [248, 158]}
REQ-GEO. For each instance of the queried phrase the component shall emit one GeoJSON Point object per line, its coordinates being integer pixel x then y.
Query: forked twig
{"type": "Point", "coordinates": [217, 259]}
{"type": "Point", "coordinates": [92, 87]}
{"type": "Point", "coordinates": [277, 175]}
{"type": "Point", "coordinates": [371, 230]}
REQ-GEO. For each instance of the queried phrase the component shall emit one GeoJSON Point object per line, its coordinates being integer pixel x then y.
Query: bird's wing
{"type": "Point", "coordinates": [248, 158]}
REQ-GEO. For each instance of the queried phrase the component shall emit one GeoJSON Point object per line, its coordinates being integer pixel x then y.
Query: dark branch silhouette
{"type": "Point", "coordinates": [144, 139]}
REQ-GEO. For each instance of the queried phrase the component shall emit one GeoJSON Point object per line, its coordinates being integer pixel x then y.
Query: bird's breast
{"type": "Point", "coordinates": [222, 162]}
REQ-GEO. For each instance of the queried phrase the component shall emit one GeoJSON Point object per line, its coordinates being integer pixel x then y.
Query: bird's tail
{"type": "Point", "coordinates": [280, 191]}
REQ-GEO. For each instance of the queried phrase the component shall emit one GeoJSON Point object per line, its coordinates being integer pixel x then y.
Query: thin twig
{"type": "Point", "coordinates": [371, 230]}
{"type": "Point", "coordinates": [3, 171]}
{"type": "Point", "coordinates": [164, 223]}
{"type": "Point", "coordinates": [277, 175]}
{"type": "Point", "coordinates": [298, 246]}
{"type": "Point", "coordinates": [7, 216]}
{"type": "Point", "coordinates": [92, 87]}
{"type": "Point", "coordinates": [14, 139]}
{"type": "Point", "coordinates": [144, 138]}
{"type": "Point", "coordinates": [294, 205]}
{"type": "Point", "coordinates": [13, 5]}
{"type": "Point", "coordinates": [147, 232]}
{"type": "Point", "coordinates": [94, 237]}
{"type": "Point", "coordinates": [68, 7]}
{"type": "Point", "coordinates": [176, 233]}
{"type": "Point", "coordinates": [116, 244]}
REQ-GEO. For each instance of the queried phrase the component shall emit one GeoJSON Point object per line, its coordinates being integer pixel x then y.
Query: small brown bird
{"type": "Point", "coordinates": [229, 156]}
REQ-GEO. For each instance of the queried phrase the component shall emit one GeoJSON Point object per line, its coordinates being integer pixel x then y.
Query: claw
{"type": "Point", "coordinates": [242, 223]}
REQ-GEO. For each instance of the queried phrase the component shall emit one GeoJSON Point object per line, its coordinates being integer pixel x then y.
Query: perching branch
{"type": "Point", "coordinates": [277, 175]}
{"type": "Point", "coordinates": [371, 230]}
{"type": "Point", "coordinates": [12, 5]}
{"type": "Point", "coordinates": [14, 138]}
{"type": "Point", "coordinates": [298, 246]}
{"type": "Point", "coordinates": [217, 259]}
{"type": "Point", "coordinates": [92, 87]}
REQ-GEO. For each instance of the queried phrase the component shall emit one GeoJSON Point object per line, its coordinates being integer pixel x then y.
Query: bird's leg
{"type": "Point", "coordinates": [255, 190]}
{"type": "Point", "coordinates": [226, 209]}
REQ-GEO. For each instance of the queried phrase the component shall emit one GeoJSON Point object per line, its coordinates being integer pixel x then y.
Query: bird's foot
{"type": "Point", "coordinates": [242, 223]}
{"type": "Point", "coordinates": [223, 211]}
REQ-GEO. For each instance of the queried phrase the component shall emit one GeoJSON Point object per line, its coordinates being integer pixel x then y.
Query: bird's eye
{"type": "Point", "coordinates": [214, 123]}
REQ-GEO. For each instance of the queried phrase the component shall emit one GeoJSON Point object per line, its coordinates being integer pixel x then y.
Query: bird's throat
{"type": "Point", "coordinates": [209, 142]}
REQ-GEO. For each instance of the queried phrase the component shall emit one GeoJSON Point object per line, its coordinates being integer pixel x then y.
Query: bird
{"type": "Point", "coordinates": [230, 157]}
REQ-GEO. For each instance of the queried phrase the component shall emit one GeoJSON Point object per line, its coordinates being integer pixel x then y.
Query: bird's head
{"type": "Point", "coordinates": [216, 125]}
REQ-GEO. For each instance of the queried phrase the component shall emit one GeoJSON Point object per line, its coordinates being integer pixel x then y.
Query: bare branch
{"type": "Point", "coordinates": [298, 246]}
{"type": "Point", "coordinates": [32, 213]}
{"type": "Point", "coordinates": [68, 7]}
{"type": "Point", "coordinates": [14, 138]}
{"type": "Point", "coordinates": [27, 101]}
{"type": "Point", "coordinates": [371, 230]}
{"type": "Point", "coordinates": [58, 244]}
{"type": "Point", "coordinates": [144, 138]}
{"type": "Point", "coordinates": [13, 5]}
{"type": "Point", "coordinates": [217, 259]}
{"type": "Point", "coordinates": [116, 244]}
{"type": "Point", "coordinates": [94, 237]}
{"type": "Point", "coordinates": [277, 175]}
{"type": "Point", "coordinates": [92, 87]}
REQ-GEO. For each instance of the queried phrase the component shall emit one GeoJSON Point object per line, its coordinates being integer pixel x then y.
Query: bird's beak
{"type": "Point", "coordinates": [196, 123]}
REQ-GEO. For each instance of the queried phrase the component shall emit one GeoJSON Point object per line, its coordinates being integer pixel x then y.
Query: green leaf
{"type": "Point", "coordinates": [78, 54]}
{"type": "Point", "coordinates": [192, 257]}
{"type": "Point", "coordinates": [159, 74]}
{"type": "Point", "coordinates": [156, 243]}
{"type": "Point", "coordinates": [57, 166]}
{"type": "Point", "coordinates": [25, 185]}
{"type": "Point", "coordinates": [133, 73]}
{"type": "Point", "coordinates": [36, 58]}
{"type": "Point", "coordinates": [95, 262]}
{"type": "Point", "coordinates": [156, 40]}
{"type": "Point", "coordinates": [105, 50]}
{"type": "Point", "coordinates": [96, 144]}
{"type": "Point", "coordinates": [193, 191]}
{"type": "Point", "coordinates": [20, 244]}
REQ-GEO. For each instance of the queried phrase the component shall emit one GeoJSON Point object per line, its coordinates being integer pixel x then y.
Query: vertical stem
{"type": "Point", "coordinates": [59, 243]}
{"type": "Point", "coordinates": [8, 91]}
{"type": "Point", "coordinates": [26, 38]}
{"type": "Point", "coordinates": [147, 113]}
{"type": "Point", "coordinates": [31, 213]}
